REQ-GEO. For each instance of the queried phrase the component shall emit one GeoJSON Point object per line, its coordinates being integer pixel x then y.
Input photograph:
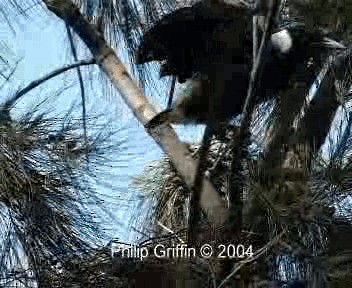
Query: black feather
{"type": "Point", "coordinates": [194, 41]}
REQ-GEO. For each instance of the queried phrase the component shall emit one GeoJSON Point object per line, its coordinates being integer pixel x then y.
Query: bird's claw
{"type": "Point", "coordinates": [157, 120]}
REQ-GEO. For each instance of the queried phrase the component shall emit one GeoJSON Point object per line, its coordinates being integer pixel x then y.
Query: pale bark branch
{"type": "Point", "coordinates": [164, 135]}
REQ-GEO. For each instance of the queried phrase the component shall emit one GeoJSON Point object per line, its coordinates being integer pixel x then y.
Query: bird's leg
{"type": "Point", "coordinates": [163, 116]}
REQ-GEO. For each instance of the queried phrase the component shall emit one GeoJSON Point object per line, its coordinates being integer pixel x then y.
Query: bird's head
{"type": "Point", "coordinates": [295, 37]}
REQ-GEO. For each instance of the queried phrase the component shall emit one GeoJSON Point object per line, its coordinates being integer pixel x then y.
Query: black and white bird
{"type": "Point", "coordinates": [214, 53]}
{"type": "Point", "coordinates": [292, 50]}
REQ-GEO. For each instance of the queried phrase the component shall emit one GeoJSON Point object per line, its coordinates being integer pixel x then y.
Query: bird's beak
{"type": "Point", "coordinates": [332, 44]}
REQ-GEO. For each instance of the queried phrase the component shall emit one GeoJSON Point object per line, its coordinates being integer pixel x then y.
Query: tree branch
{"type": "Point", "coordinates": [9, 103]}
{"type": "Point", "coordinates": [81, 85]}
{"type": "Point", "coordinates": [314, 127]}
{"type": "Point", "coordinates": [164, 135]}
{"type": "Point", "coordinates": [235, 183]}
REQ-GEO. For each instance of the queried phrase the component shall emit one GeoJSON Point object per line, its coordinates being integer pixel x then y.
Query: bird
{"type": "Point", "coordinates": [185, 37]}
{"type": "Point", "coordinates": [292, 50]}
{"type": "Point", "coordinates": [205, 48]}
{"type": "Point", "coordinates": [214, 54]}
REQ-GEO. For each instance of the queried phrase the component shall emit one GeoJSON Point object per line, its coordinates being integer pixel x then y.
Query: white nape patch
{"type": "Point", "coordinates": [282, 41]}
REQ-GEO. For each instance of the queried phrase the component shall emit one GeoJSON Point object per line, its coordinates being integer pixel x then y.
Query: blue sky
{"type": "Point", "coordinates": [41, 46]}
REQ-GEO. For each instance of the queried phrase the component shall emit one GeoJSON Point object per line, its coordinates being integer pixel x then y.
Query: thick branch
{"type": "Point", "coordinates": [315, 125]}
{"type": "Point", "coordinates": [313, 128]}
{"type": "Point", "coordinates": [290, 105]}
{"type": "Point", "coordinates": [165, 136]}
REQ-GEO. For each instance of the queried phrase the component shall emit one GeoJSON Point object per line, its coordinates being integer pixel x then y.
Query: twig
{"type": "Point", "coordinates": [11, 72]}
{"type": "Point", "coordinates": [256, 65]}
{"type": "Point", "coordinates": [170, 231]}
{"type": "Point", "coordinates": [255, 37]}
{"type": "Point", "coordinates": [194, 213]}
{"type": "Point", "coordinates": [236, 144]}
{"type": "Point", "coordinates": [9, 103]}
{"type": "Point", "coordinates": [81, 86]}
{"type": "Point", "coordinates": [259, 253]}
{"type": "Point", "coordinates": [172, 91]}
